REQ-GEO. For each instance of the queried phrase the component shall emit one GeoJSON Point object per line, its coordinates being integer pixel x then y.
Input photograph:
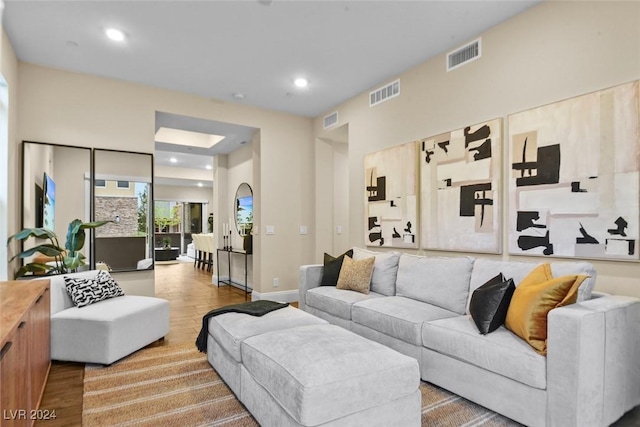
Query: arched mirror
{"type": "Point", "coordinates": [244, 209]}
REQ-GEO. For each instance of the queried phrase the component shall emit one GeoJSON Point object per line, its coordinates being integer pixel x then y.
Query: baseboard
{"type": "Point", "coordinates": [281, 296]}
{"type": "Point", "coordinates": [214, 281]}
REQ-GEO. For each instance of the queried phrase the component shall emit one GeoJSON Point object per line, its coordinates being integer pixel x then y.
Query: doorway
{"type": "Point", "coordinates": [175, 222]}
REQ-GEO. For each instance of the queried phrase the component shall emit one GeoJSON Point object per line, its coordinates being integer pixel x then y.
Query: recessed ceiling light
{"type": "Point", "coordinates": [208, 167]}
{"type": "Point", "coordinates": [199, 184]}
{"type": "Point", "coordinates": [173, 160]}
{"type": "Point", "coordinates": [114, 34]}
{"type": "Point", "coordinates": [238, 95]}
{"type": "Point", "coordinates": [301, 82]}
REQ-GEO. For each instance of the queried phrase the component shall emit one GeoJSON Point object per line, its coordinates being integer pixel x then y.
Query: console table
{"type": "Point", "coordinates": [229, 252]}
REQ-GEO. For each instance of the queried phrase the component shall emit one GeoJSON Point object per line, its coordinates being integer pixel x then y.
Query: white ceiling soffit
{"type": "Point", "coordinates": [183, 160]}
{"type": "Point", "coordinates": [234, 135]}
{"type": "Point", "coordinates": [182, 182]}
{"type": "Point", "coordinates": [186, 137]}
{"type": "Point", "coordinates": [250, 52]}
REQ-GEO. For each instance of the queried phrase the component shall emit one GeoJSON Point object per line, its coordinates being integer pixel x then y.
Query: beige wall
{"type": "Point", "coordinates": [76, 109]}
{"type": "Point", "coordinates": [10, 222]}
{"type": "Point", "coordinates": [553, 51]}
{"type": "Point", "coordinates": [239, 170]}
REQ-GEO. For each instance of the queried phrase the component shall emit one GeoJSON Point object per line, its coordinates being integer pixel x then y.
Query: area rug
{"type": "Point", "coordinates": [176, 386]}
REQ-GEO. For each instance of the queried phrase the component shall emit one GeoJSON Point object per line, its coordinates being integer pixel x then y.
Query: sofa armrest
{"type": "Point", "coordinates": [593, 361]}
{"type": "Point", "coordinates": [310, 277]}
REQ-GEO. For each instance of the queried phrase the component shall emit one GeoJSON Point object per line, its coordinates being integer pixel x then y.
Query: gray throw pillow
{"type": "Point", "coordinates": [385, 270]}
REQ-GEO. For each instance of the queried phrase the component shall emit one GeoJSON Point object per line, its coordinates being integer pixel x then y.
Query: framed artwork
{"type": "Point", "coordinates": [574, 186]}
{"type": "Point", "coordinates": [460, 175]}
{"type": "Point", "coordinates": [391, 206]}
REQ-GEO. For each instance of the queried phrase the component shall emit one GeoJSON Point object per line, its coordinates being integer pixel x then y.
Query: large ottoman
{"type": "Point", "coordinates": [324, 375]}
{"type": "Point", "coordinates": [227, 331]}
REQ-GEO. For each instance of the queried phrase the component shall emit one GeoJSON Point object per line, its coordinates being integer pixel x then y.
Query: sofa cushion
{"type": "Point", "coordinates": [230, 329]}
{"type": "Point", "coordinates": [440, 281]}
{"type": "Point", "coordinates": [322, 373]}
{"type": "Point", "coordinates": [356, 275]}
{"type": "Point", "coordinates": [385, 269]}
{"type": "Point", "coordinates": [331, 269]}
{"type": "Point", "coordinates": [337, 302]}
{"type": "Point", "coordinates": [533, 299]}
{"type": "Point", "coordinates": [490, 302]}
{"type": "Point", "coordinates": [399, 317]}
{"type": "Point", "coordinates": [501, 352]}
{"type": "Point", "coordinates": [484, 269]}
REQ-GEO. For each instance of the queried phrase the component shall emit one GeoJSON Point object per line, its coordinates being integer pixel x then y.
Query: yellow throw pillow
{"type": "Point", "coordinates": [356, 275]}
{"type": "Point", "coordinates": [534, 298]}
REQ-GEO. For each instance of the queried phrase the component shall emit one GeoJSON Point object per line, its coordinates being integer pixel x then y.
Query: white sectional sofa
{"type": "Point", "coordinates": [419, 307]}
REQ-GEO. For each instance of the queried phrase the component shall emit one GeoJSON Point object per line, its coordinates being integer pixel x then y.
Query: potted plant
{"type": "Point", "coordinates": [166, 243]}
{"type": "Point", "coordinates": [66, 259]}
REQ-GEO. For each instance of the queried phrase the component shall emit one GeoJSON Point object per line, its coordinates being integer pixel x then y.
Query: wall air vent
{"type": "Point", "coordinates": [330, 120]}
{"type": "Point", "coordinates": [465, 54]}
{"type": "Point", "coordinates": [384, 93]}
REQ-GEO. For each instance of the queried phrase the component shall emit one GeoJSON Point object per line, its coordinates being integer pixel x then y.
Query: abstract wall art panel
{"type": "Point", "coordinates": [574, 186]}
{"type": "Point", "coordinates": [391, 206]}
{"type": "Point", "coordinates": [460, 189]}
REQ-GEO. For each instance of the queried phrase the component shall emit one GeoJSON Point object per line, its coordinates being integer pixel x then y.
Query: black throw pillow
{"type": "Point", "coordinates": [332, 266]}
{"type": "Point", "coordinates": [490, 302]}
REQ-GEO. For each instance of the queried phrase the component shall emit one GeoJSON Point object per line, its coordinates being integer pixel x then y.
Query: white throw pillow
{"type": "Point", "coordinates": [385, 270]}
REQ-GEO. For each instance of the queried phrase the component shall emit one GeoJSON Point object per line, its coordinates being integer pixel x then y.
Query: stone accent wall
{"type": "Point", "coordinates": [107, 208]}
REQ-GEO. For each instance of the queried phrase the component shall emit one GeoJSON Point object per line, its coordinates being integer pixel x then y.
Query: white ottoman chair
{"type": "Point", "coordinates": [105, 331]}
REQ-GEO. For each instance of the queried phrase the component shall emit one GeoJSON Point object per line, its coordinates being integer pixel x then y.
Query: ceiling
{"type": "Point", "coordinates": [217, 48]}
{"type": "Point", "coordinates": [250, 51]}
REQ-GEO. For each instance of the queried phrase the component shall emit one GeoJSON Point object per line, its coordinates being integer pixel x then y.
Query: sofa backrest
{"type": "Point", "coordinates": [440, 281]}
{"type": "Point", "coordinates": [60, 299]}
{"type": "Point", "coordinates": [485, 269]}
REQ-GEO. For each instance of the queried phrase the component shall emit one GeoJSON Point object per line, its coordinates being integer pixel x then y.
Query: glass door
{"type": "Point", "coordinates": [192, 223]}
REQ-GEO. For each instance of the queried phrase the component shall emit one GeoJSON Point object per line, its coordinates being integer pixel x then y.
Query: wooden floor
{"type": "Point", "coordinates": [190, 296]}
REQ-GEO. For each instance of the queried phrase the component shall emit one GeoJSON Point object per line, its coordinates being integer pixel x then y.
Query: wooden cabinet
{"type": "Point", "coordinates": [25, 355]}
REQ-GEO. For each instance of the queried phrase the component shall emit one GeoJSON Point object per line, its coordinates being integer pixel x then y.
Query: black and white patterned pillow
{"type": "Point", "coordinates": [88, 291]}
{"type": "Point", "coordinates": [109, 284]}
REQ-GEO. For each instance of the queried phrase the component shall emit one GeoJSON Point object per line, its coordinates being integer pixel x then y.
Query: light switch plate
{"type": "Point", "coordinates": [304, 229]}
{"type": "Point", "coordinates": [339, 229]}
{"type": "Point", "coordinates": [271, 229]}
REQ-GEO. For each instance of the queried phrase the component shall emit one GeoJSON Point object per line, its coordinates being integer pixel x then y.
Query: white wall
{"type": "Point", "coordinates": [553, 51]}
{"type": "Point", "coordinates": [10, 192]}
{"type": "Point", "coordinates": [77, 109]}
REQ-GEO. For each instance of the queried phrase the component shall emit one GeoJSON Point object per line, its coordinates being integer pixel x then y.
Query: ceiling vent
{"type": "Point", "coordinates": [384, 93]}
{"type": "Point", "coordinates": [330, 120]}
{"type": "Point", "coordinates": [465, 54]}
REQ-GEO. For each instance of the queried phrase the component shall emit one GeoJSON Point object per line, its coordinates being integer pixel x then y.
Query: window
{"type": "Point", "coordinates": [101, 183]}
{"type": "Point", "coordinates": [122, 184]}
{"type": "Point", "coordinates": [4, 166]}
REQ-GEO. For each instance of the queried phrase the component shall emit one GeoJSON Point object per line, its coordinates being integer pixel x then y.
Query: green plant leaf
{"type": "Point", "coordinates": [33, 268]}
{"type": "Point", "coordinates": [73, 262]}
{"type": "Point", "coordinates": [94, 224]}
{"type": "Point", "coordinates": [76, 235]}
{"type": "Point", "coordinates": [47, 249]}
{"type": "Point", "coordinates": [35, 232]}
